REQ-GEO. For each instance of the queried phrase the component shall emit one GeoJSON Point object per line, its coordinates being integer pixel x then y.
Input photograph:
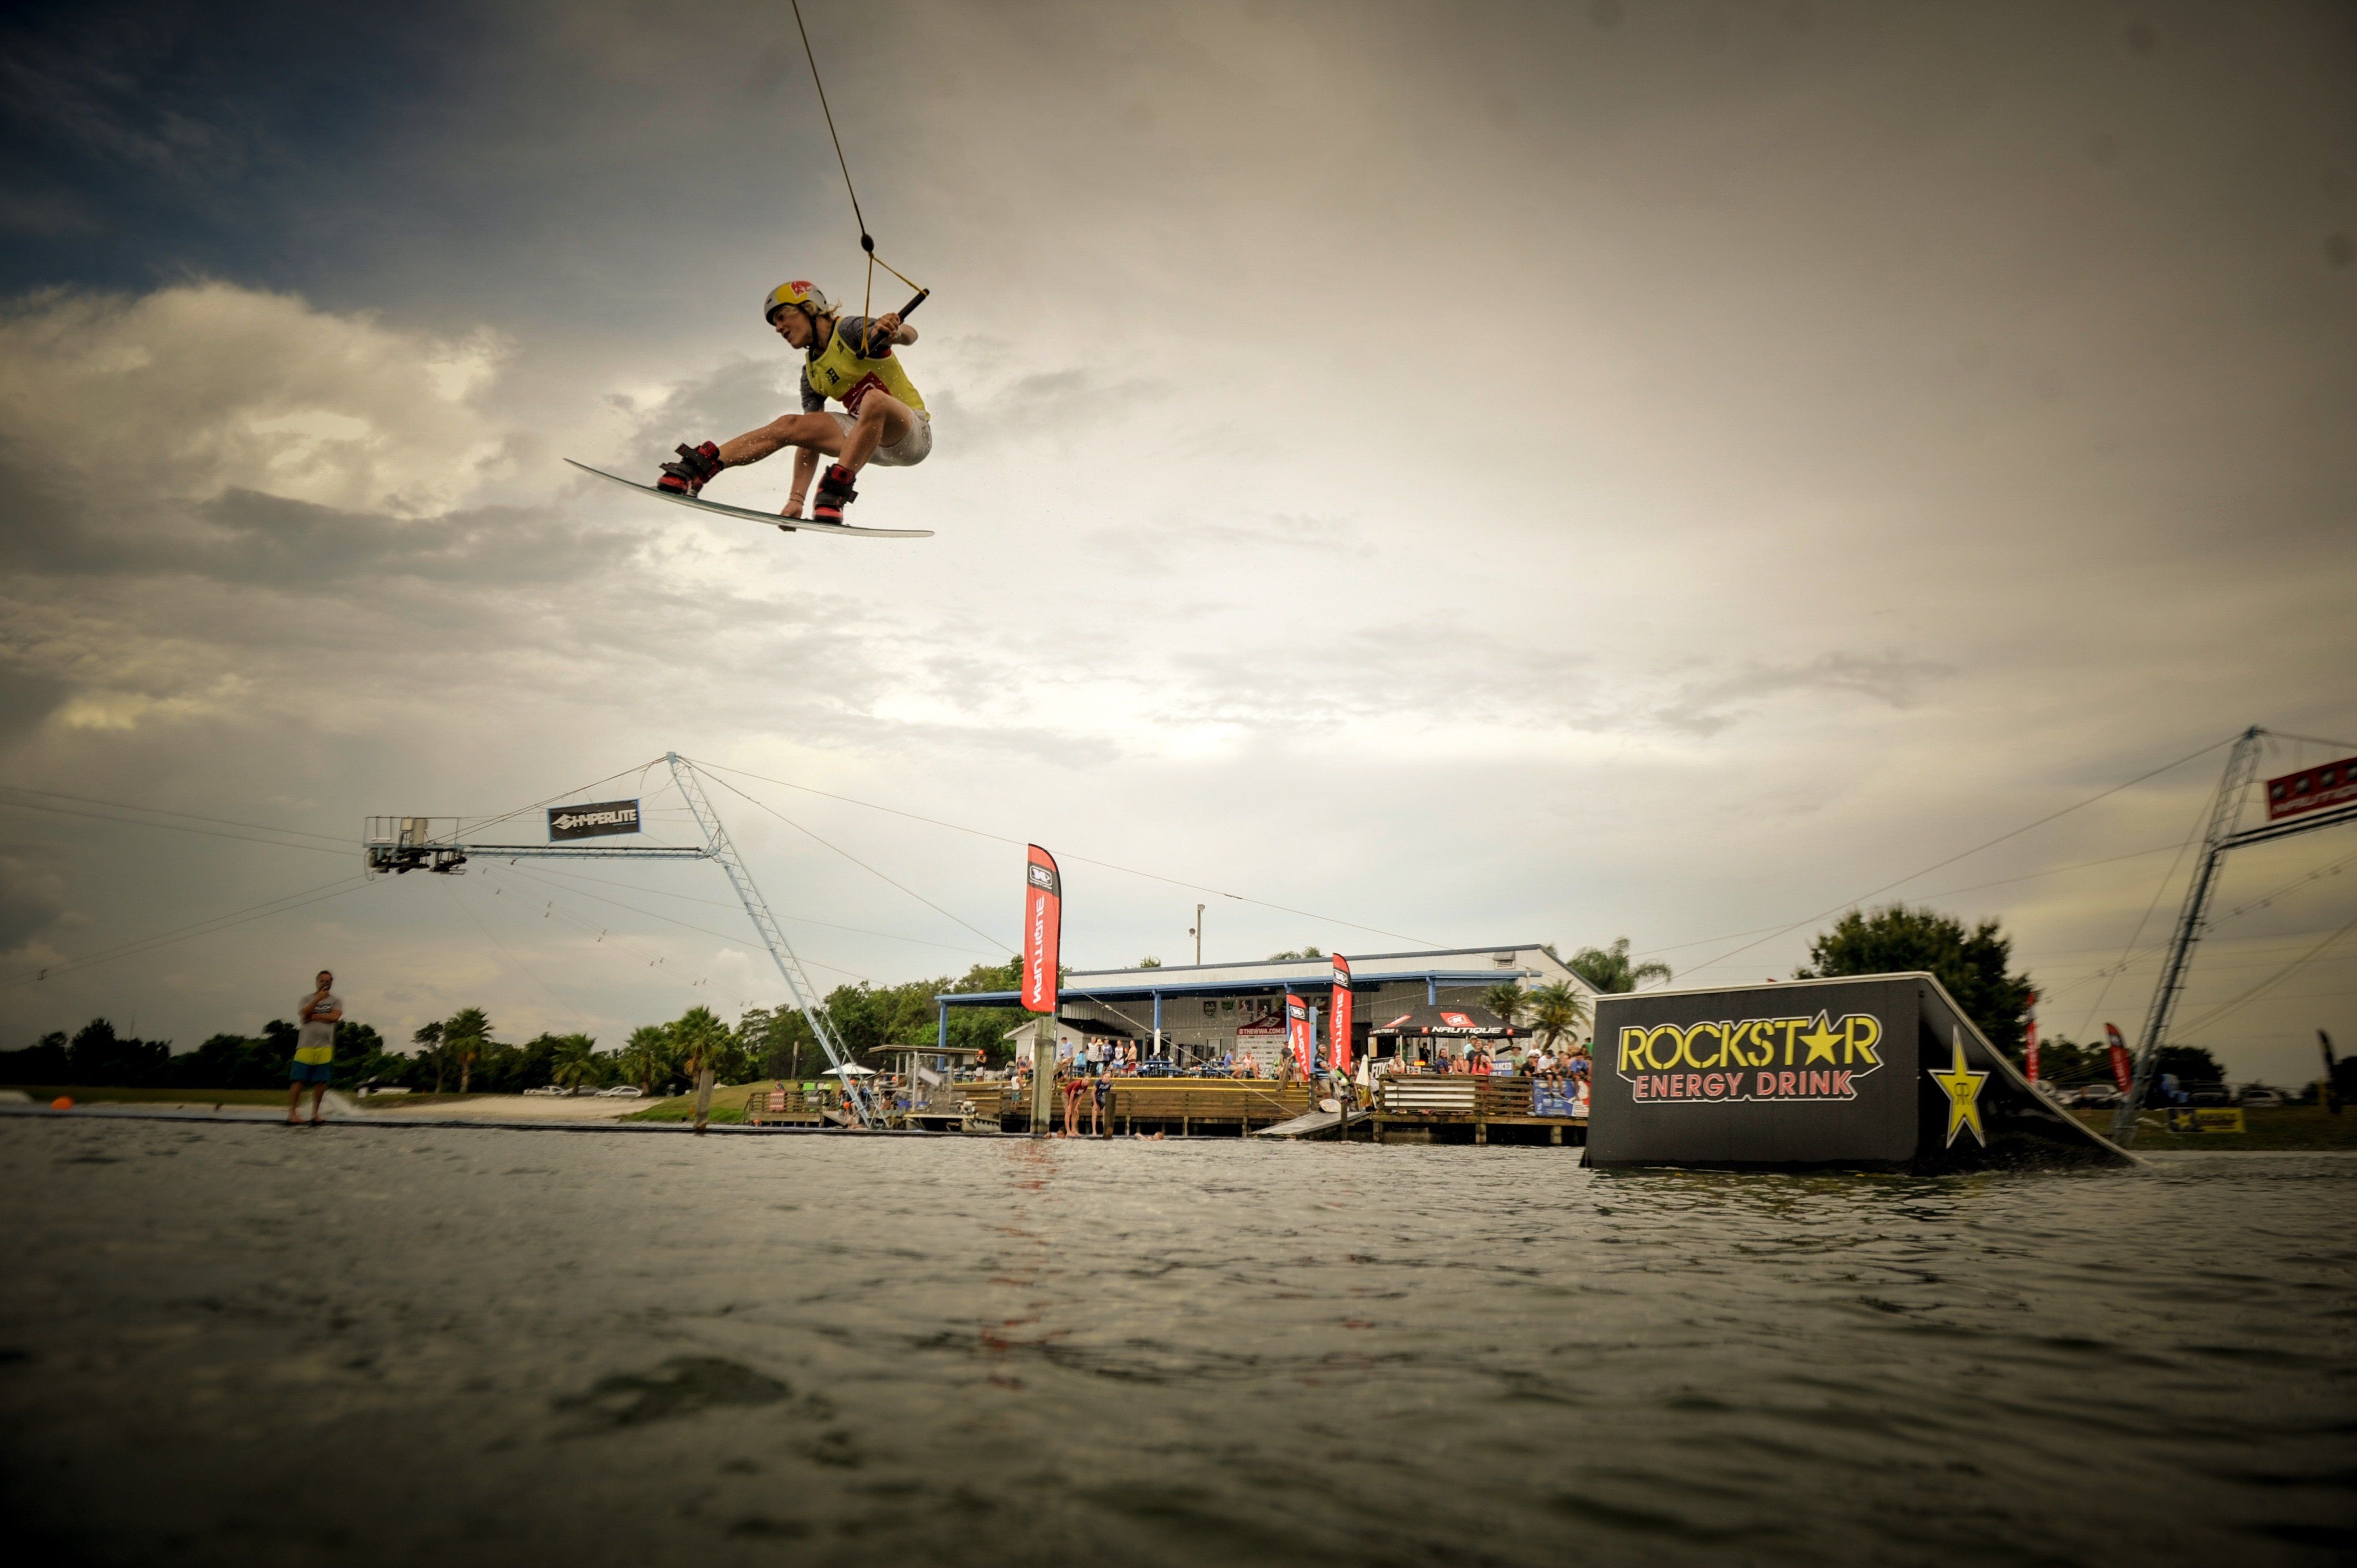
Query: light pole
{"type": "Point", "coordinates": [1196, 931]}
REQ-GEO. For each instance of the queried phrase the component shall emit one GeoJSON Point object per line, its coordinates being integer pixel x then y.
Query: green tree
{"type": "Point", "coordinates": [575, 1063]}
{"type": "Point", "coordinates": [646, 1058]}
{"type": "Point", "coordinates": [467, 1036]}
{"type": "Point", "coordinates": [1508, 1000]}
{"type": "Point", "coordinates": [428, 1041]}
{"type": "Point", "coordinates": [1556, 1011]}
{"type": "Point", "coordinates": [1970, 964]}
{"type": "Point", "coordinates": [1149, 961]}
{"type": "Point", "coordinates": [700, 1040]}
{"type": "Point", "coordinates": [1288, 953]}
{"type": "Point", "coordinates": [1609, 971]}
{"type": "Point", "coordinates": [777, 1040]}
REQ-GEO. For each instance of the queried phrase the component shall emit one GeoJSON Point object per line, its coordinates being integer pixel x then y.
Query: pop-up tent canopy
{"type": "Point", "coordinates": [1449, 1021]}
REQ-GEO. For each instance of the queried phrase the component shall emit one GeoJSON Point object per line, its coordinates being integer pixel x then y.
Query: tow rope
{"type": "Point", "coordinates": [867, 241]}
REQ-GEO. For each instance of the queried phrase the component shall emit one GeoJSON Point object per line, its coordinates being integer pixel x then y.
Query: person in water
{"type": "Point", "coordinates": [850, 360]}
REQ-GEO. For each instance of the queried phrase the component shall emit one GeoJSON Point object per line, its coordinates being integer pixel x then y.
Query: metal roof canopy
{"type": "Point", "coordinates": [1237, 987]}
{"type": "Point", "coordinates": [1495, 949]}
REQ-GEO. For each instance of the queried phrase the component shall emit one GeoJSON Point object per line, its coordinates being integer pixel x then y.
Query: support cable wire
{"type": "Point", "coordinates": [175, 827]}
{"type": "Point", "coordinates": [671, 919]}
{"type": "Point", "coordinates": [604, 934]}
{"type": "Point", "coordinates": [512, 958]}
{"type": "Point", "coordinates": [2129, 953]}
{"type": "Point", "coordinates": [863, 865]}
{"type": "Point", "coordinates": [797, 920]}
{"type": "Point", "coordinates": [1943, 893]}
{"type": "Point", "coordinates": [478, 826]}
{"type": "Point", "coordinates": [2286, 972]}
{"type": "Point", "coordinates": [2017, 833]}
{"type": "Point", "coordinates": [278, 906]}
{"type": "Point", "coordinates": [1076, 859]}
{"type": "Point", "coordinates": [343, 846]}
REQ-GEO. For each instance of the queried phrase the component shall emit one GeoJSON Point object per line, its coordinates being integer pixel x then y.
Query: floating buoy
{"type": "Point", "coordinates": [62, 1103]}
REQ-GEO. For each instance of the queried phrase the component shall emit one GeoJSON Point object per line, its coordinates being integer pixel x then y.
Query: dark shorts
{"type": "Point", "coordinates": [309, 1072]}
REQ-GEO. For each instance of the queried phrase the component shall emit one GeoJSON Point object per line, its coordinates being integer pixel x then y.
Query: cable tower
{"type": "Point", "coordinates": [2193, 921]}
{"type": "Point", "coordinates": [718, 846]}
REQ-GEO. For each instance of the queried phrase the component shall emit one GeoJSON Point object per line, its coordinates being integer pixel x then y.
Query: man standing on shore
{"type": "Point", "coordinates": [315, 1048]}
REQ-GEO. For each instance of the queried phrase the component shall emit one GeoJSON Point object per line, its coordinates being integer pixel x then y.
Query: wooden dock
{"type": "Point", "coordinates": [1415, 1108]}
{"type": "Point", "coordinates": [1436, 1108]}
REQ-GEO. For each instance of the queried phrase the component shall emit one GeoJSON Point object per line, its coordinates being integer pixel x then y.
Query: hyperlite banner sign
{"type": "Point", "coordinates": [2312, 790]}
{"type": "Point", "coordinates": [593, 821]}
{"type": "Point", "coordinates": [1043, 929]}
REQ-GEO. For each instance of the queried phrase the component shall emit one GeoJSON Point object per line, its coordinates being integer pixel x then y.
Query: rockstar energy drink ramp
{"type": "Point", "coordinates": [1879, 1072]}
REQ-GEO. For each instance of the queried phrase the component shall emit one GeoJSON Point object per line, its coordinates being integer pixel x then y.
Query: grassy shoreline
{"type": "Point", "coordinates": [2285, 1130]}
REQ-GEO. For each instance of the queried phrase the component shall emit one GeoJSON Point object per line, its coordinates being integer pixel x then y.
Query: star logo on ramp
{"type": "Point", "coordinates": [1821, 1041]}
{"type": "Point", "coordinates": [1962, 1086]}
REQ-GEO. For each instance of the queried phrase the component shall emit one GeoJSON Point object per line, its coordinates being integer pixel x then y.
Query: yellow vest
{"type": "Point", "coordinates": [840, 373]}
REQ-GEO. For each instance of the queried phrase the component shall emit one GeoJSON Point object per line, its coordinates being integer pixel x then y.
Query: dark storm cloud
{"type": "Point", "coordinates": [26, 698]}
{"type": "Point", "coordinates": [267, 542]}
{"type": "Point", "coordinates": [140, 141]}
{"type": "Point", "coordinates": [32, 897]}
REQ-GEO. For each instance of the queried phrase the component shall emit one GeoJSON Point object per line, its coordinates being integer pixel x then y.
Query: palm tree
{"type": "Point", "coordinates": [577, 1061]}
{"type": "Point", "coordinates": [698, 1035]}
{"type": "Point", "coordinates": [646, 1058]}
{"type": "Point", "coordinates": [429, 1037]}
{"type": "Point", "coordinates": [465, 1036]}
{"type": "Point", "coordinates": [1558, 1010]}
{"type": "Point", "coordinates": [1609, 969]}
{"type": "Point", "coordinates": [1508, 1000]}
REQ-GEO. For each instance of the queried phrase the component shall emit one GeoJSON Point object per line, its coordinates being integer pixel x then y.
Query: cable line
{"type": "Point", "coordinates": [174, 827]}
{"type": "Point", "coordinates": [1077, 859]}
{"type": "Point", "coordinates": [2280, 975]}
{"type": "Point", "coordinates": [343, 845]}
{"type": "Point", "coordinates": [673, 919]}
{"type": "Point", "coordinates": [798, 920]}
{"type": "Point", "coordinates": [512, 958]}
{"type": "Point", "coordinates": [290, 902]}
{"type": "Point", "coordinates": [2050, 816]}
{"type": "Point", "coordinates": [867, 241]}
{"type": "Point", "coordinates": [863, 865]}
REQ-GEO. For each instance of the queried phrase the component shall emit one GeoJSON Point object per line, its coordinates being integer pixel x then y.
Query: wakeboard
{"type": "Point", "coordinates": [790, 524]}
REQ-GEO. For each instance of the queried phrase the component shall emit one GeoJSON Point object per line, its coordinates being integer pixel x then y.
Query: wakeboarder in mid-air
{"type": "Point", "coordinates": [848, 360]}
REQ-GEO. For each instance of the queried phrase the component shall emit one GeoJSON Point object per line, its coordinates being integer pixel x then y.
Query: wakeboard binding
{"type": "Point", "coordinates": [834, 493]}
{"type": "Point", "coordinates": [695, 469]}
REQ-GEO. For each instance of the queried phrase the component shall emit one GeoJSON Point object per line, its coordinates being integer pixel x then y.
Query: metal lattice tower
{"type": "Point", "coordinates": [718, 846]}
{"type": "Point", "coordinates": [2193, 921]}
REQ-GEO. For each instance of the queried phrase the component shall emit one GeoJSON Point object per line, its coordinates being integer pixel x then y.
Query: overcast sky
{"type": "Point", "coordinates": [1467, 473]}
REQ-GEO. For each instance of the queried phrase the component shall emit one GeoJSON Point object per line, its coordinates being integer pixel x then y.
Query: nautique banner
{"type": "Point", "coordinates": [1043, 929]}
{"type": "Point", "coordinates": [1338, 1019]}
{"type": "Point", "coordinates": [593, 821]}
{"type": "Point", "coordinates": [1300, 1033]}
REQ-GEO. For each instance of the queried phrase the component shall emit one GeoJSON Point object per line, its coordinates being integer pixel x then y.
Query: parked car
{"type": "Point", "coordinates": [2264, 1098]}
{"type": "Point", "coordinates": [2208, 1095]}
{"type": "Point", "coordinates": [2097, 1097]}
{"type": "Point", "coordinates": [621, 1092]}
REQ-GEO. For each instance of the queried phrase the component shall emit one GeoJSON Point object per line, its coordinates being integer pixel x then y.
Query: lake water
{"type": "Point", "coordinates": [237, 1343]}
